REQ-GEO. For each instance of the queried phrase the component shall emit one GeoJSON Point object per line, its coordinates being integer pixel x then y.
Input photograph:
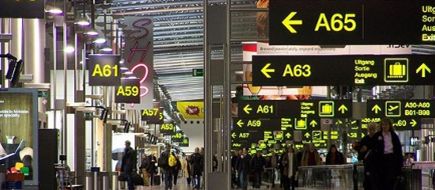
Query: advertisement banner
{"type": "Point", "coordinates": [22, 9]}
{"type": "Point", "coordinates": [104, 70]}
{"type": "Point", "coordinates": [191, 110]}
{"type": "Point", "coordinates": [138, 57]}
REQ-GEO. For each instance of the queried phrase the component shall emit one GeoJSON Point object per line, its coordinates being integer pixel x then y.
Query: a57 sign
{"type": "Point", "coordinates": [152, 116]}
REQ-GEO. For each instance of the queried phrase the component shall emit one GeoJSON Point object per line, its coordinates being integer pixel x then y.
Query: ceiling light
{"type": "Point", "coordinates": [91, 33]}
{"type": "Point", "coordinates": [100, 41]}
{"type": "Point", "coordinates": [106, 49]}
{"type": "Point", "coordinates": [123, 69]}
{"type": "Point", "coordinates": [83, 22]}
{"type": "Point", "coordinates": [54, 11]}
{"type": "Point", "coordinates": [69, 49]}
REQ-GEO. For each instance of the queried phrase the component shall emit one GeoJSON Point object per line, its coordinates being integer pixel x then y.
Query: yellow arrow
{"type": "Point", "coordinates": [313, 123]}
{"type": "Point", "coordinates": [240, 123]}
{"type": "Point", "coordinates": [413, 123]}
{"type": "Point", "coordinates": [288, 135]}
{"type": "Point", "coordinates": [307, 135]}
{"type": "Point", "coordinates": [288, 22]}
{"type": "Point", "coordinates": [376, 109]}
{"type": "Point", "coordinates": [423, 69]}
{"type": "Point", "coordinates": [342, 109]}
{"type": "Point", "coordinates": [265, 70]}
{"type": "Point", "coordinates": [247, 109]}
{"type": "Point", "coordinates": [234, 135]}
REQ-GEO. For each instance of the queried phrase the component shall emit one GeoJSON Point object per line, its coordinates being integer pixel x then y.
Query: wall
{"type": "Point", "coordinates": [195, 132]}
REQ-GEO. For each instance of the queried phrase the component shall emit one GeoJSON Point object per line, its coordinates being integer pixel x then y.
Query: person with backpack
{"type": "Point", "coordinates": [197, 167]}
{"type": "Point", "coordinates": [166, 163]}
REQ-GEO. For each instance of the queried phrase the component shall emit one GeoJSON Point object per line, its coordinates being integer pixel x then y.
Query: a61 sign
{"type": "Point", "coordinates": [104, 70]}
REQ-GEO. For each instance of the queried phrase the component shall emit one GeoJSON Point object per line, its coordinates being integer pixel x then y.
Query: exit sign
{"type": "Point", "coordinates": [198, 72]}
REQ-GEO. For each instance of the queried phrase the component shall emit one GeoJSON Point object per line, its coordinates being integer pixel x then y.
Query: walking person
{"type": "Point", "coordinates": [177, 168]}
{"type": "Point", "coordinates": [334, 157]}
{"type": "Point", "coordinates": [389, 158]}
{"type": "Point", "coordinates": [289, 165]}
{"type": "Point", "coordinates": [167, 170]}
{"type": "Point", "coordinates": [152, 168]}
{"type": "Point", "coordinates": [197, 168]}
{"type": "Point", "coordinates": [243, 169]}
{"type": "Point", "coordinates": [128, 164]}
{"type": "Point", "coordinates": [257, 165]}
{"type": "Point", "coordinates": [366, 154]}
{"type": "Point", "coordinates": [185, 168]}
{"type": "Point", "coordinates": [310, 157]}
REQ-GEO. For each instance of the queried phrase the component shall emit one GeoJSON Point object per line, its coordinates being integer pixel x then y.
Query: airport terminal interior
{"type": "Point", "coordinates": [217, 95]}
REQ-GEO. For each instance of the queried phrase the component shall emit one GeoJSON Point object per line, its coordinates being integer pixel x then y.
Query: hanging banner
{"type": "Point", "coordinates": [128, 91]}
{"type": "Point", "coordinates": [104, 70]}
{"type": "Point", "coordinates": [22, 9]}
{"type": "Point", "coordinates": [138, 57]}
{"type": "Point", "coordinates": [191, 110]}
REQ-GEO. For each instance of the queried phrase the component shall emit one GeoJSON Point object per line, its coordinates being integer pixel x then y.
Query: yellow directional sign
{"type": "Point", "coordinates": [352, 135]}
{"type": "Point", "coordinates": [247, 109]}
{"type": "Point", "coordinates": [240, 123]}
{"type": "Point", "coordinates": [234, 135]}
{"type": "Point", "coordinates": [376, 109]}
{"type": "Point", "coordinates": [265, 70]}
{"type": "Point", "coordinates": [313, 123]}
{"type": "Point", "coordinates": [413, 123]}
{"type": "Point", "coordinates": [307, 135]}
{"type": "Point", "coordinates": [301, 123]}
{"type": "Point", "coordinates": [423, 69]}
{"type": "Point", "coordinates": [342, 109]}
{"type": "Point", "coordinates": [326, 108]}
{"type": "Point", "coordinates": [288, 135]}
{"type": "Point", "coordinates": [288, 22]}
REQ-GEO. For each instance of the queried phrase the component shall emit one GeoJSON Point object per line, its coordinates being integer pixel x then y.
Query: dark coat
{"type": "Point", "coordinates": [378, 150]}
{"type": "Point", "coordinates": [339, 159]}
{"type": "Point", "coordinates": [243, 164]}
{"type": "Point", "coordinates": [286, 164]}
{"type": "Point", "coordinates": [258, 163]}
{"type": "Point", "coordinates": [197, 164]}
{"type": "Point", "coordinates": [128, 164]}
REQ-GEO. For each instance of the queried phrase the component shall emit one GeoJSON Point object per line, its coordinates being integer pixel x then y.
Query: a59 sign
{"type": "Point", "coordinates": [128, 91]}
{"type": "Point", "coordinates": [104, 70]}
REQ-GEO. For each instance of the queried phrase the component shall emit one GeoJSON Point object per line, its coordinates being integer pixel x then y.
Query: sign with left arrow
{"type": "Point", "coordinates": [298, 109]}
{"type": "Point", "coordinates": [276, 124]}
{"type": "Point", "coordinates": [354, 70]}
{"type": "Point", "coordinates": [336, 22]}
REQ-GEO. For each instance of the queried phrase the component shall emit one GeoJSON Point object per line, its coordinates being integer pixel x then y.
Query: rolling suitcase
{"type": "Point", "coordinates": [157, 179]}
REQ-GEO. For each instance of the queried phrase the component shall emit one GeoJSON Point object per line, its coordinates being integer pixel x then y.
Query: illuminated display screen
{"type": "Point", "coordinates": [354, 70]}
{"type": "Point", "coordinates": [335, 22]}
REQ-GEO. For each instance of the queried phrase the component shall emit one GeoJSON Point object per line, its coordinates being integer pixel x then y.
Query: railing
{"type": "Point", "coordinates": [337, 177]}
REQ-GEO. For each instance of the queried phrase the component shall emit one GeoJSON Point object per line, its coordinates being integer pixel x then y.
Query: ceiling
{"type": "Point", "coordinates": [178, 39]}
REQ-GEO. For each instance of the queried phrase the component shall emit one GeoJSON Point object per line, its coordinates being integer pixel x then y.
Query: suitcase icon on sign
{"type": "Point", "coordinates": [396, 70]}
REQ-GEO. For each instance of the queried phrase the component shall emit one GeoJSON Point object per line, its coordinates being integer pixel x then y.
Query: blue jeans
{"type": "Point", "coordinates": [196, 181]}
{"type": "Point", "coordinates": [168, 179]}
{"type": "Point", "coordinates": [243, 180]}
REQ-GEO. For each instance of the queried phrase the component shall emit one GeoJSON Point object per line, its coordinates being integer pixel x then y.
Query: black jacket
{"type": "Point", "coordinates": [339, 159]}
{"type": "Point", "coordinates": [258, 163]}
{"type": "Point", "coordinates": [128, 164]}
{"type": "Point", "coordinates": [197, 163]}
{"type": "Point", "coordinates": [378, 150]}
{"type": "Point", "coordinates": [243, 164]}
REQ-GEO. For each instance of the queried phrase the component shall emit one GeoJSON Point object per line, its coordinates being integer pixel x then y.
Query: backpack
{"type": "Point", "coordinates": [163, 160]}
{"type": "Point", "coordinates": [172, 161]}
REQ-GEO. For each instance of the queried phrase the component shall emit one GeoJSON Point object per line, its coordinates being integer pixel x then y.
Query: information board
{"type": "Point", "coordinates": [343, 70]}
{"type": "Point", "coordinates": [152, 116]}
{"type": "Point", "coordinates": [167, 128]}
{"type": "Point", "coordinates": [399, 124]}
{"type": "Point", "coordinates": [128, 91]}
{"type": "Point", "coordinates": [177, 137]}
{"type": "Point", "coordinates": [400, 108]}
{"type": "Point", "coordinates": [285, 124]}
{"type": "Point", "coordinates": [302, 109]}
{"type": "Point", "coordinates": [334, 22]}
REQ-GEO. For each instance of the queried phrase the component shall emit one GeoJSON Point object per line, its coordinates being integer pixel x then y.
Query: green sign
{"type": "Point", "coordinates": [198, 72]}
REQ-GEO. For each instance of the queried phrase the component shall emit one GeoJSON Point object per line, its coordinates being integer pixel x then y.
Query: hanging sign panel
{"type": "Point", "coordinates": [128, 91]}
{"type": "Point", "coordinates": [400, 108]}
{"type": "Point", "coordinates": [343, 70]}
{"type": "Point", "coordinates": [104, 70]}
{"type": "Point", "coordinates": [336, 22]}
{"type": "Point", "coordinates": [177, 137]}
{"type": "Point", "coordinates": [399, 124]}
{"type": "Point", "coordinates": [276, 124]}
{"type": "Point", "coordinates": [167, 128]}
{"type": "Point", "coordinates": [303, 109]}
{"type": "Point", "coordinates": [152, 116]}
{"type": "Point", "coordinates": [22, 9]}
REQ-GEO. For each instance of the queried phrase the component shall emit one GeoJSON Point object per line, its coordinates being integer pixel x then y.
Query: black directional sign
{"type": "Point", "coordinates": [400, 124]}
{"type": "Point", "coordinates": [167, 128]}
{"type": "Point", "coordinates": [128, 91]}
{"type": "Point", "coordinates": [343, 70]}
{"type": "Point", "coordinates": [401, 108]}
{"type": "Point", "coordinates": [104, 70]}
{"type": "Point", "coordinates": [333, 22]}
{"type": "Point", "coordinates": [22, 8]}
{"type": "Point", "coordinates": [152, 116]}
{"type": "Point", "coordinates": [302, 109]}
{"type": "Point", "coordinates": [284, 124]}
